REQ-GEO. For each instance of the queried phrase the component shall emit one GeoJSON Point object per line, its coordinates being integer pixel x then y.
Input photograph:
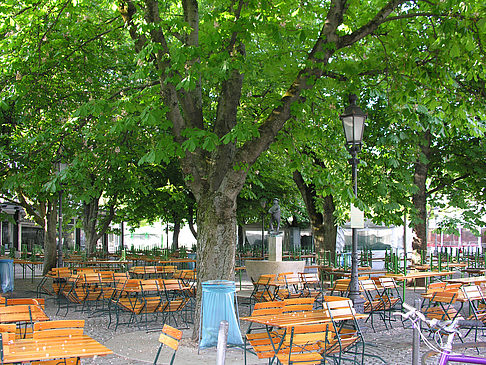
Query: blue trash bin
{"type": "Point", "coordinates": [7, 275]}
{"type": "Point", "coordinates": [218, 304]}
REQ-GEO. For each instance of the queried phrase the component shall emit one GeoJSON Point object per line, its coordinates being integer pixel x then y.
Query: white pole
{"type": "Point", "coordinates": [222, 341]}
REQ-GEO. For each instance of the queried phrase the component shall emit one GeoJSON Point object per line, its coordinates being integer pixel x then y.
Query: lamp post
{"type": "Point", "coordinates": [263, 203]}
{"type": "Point", "coordinates": [60, 167]}
{"type": "Point", "coordinates": [353, 123]}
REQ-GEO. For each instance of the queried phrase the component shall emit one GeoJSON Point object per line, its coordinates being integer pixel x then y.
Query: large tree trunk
{"type": "Point", "coordinates": [216, 221]}
{"type": "Point", "coordinates": [419, 199]}
{"type": "Point", "coordinates": [175, 235]}
{"type": "Point", "coordinates": [90, 221]}
{"type": "Point", "coordinates": [50, 242]}
{"type": "Point", "coordinates": [92, 231]}
{"type": "Point", "coordinates": [323, 224]}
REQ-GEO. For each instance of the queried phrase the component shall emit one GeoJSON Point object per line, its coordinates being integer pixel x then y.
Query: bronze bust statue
{"type": "Point", "coordinates": [274, 212]}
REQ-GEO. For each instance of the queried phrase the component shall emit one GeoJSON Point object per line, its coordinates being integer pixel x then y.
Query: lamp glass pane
{"type": "Point", "coordinates": [358, 128]}
{"type": "Point", "coordinates": [348, 128]}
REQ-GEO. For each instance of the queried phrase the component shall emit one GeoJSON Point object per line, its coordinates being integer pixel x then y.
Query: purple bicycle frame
{"type": "Point", "coordinates": [446, 357]}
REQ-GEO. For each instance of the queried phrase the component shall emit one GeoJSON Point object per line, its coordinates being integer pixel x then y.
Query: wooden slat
{"type": "Point", "coordinates": [55, 348]}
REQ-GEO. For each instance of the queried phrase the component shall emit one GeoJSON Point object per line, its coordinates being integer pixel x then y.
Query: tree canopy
{"type": "Point", "coordinates": [110, 87]}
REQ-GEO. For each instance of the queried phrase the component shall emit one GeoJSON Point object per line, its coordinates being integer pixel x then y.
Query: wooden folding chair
{"type": "Point", "coordinates": [477, 307]}
{"type": "Point", "coordinates": [431, 290]}
{"type": "Point", "coordinates": [151, 297]}
{"type": "Point", "coordinates": [375, 302]}
{"type": "Point", "coordinates": [340, 288]}
{"type": "Point", "coordinates": [287, 285]}
{"type": "Point", "coordinates": [391, 296]}
{"type": "Point", "coordinates": [312, 286]}
{"type": "Point", "coordinates": [170, 337]}
{"type": "Point", "coordinates": [261, 289]}
{"type": "Point", "coordinates": [302, 344]}
{"type": "Point", "coordinates": [54, 329]}
{"type": "Point", "coordinates": [347, 334]}
{"type": "Point", "coordinates": [126, 298]}
{"type": "Point", "coordinates": [174, 299]}
{"type": "Point", "coordinates": [264, 341]}
{"type": "Point", "coordinates": [441, 305]}
{"type": "Point", "coordinates": [53, 282]}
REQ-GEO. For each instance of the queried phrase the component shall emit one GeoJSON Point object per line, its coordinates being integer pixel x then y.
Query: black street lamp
{"type": "Point", "coordinates": [353, 123]}
{"type": "Point", "coordinates": [60, 167]}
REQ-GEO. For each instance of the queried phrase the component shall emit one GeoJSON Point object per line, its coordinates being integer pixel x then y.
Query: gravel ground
{"type": "Point", "coordinates": [133, 345]}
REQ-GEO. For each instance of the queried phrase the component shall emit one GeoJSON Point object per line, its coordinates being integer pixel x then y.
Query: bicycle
{"type": "Point", "coordinates": [449, 328]}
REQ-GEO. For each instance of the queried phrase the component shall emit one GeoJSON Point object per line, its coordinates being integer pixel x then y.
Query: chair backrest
{"type": "Point", "coordinates": [8, 327]}
{"type": "Point", "coordinates": [472, 292]}
{"type": "Point", "coordinates": [341, 285]}
{"type": "Point", "coordinates": [106, 276]}
{"type": "Point", "coordinates": [271, 307]}
{"type": "Point", "coordinates": [121, 276]}
{"type": "Point", "coordinates": [387, 282]}
{"type": "Point", "coordinates": [167, 269]}
{"type": "Point", "coordinates": [130, 284]}
{"type": "Point", "coordinates": [340, 310]}
{"type": "Point", "coordinates": [453, 286]}
{"type": "Point", "coordinates": [309, 334]}
{"type": "Point", "coordinates": [367, 285]}
{"type": "Point", "coordinates": [7, 339]}
{"type": "Point", "coordinates": [61, 272]}
{"type": "Point", "coordinates": [309, 277]}
{"type": "Point", "coordinates": [170, 284]}
{"type": "Point", "coordinates": [435, 287]}
{"type": "Point", "coordinates": [169, 337]}
{"type": "Point", "coordinates": [283, 275]}
{"type": "Point", "coordinates": [445, 296]}
{"type": "Point", "coordinates": [265, 279]}
{"type": "Point", "coordinates": [61, 328]}
{"type": "Point", "coordinates": [91, 278]}
{"type": "Point", "coordinates": [298, 304]}
{"type": "Point", "coordinates": [20, 301]}
{"type": "Point", "coordinates": [150, 285]}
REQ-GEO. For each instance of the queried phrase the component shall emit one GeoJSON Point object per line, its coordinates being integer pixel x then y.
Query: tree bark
{"type": "Point", "coordinates": [323, 224]}
{"type": "Point", "coordinates": [91, 213]}
{"type": "Point", "coordinates": [90, 221]}
{"type": "Point", "coordinates": [175, 235]}
{"type": "Point", "coordinates": [216, 222]}
{"type": "Point", "coordinates": [419, 199]}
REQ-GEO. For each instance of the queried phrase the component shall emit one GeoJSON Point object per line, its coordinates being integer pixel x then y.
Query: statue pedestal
{"type": "Point", "coordinates": [255, 268]}
{"type": "Point", "coordinates": [275, 248]}
{"type": "Point", "coordinates": [274, 264]}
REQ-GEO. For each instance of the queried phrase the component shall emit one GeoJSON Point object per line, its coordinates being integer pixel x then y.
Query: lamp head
{"type": "Point", "coordinates": [353, 123]}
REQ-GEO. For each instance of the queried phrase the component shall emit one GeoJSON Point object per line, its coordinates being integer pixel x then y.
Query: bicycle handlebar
{"type": "Point", "coordinates": [449, 326]}
{"type": "Point", "coordinates": [469, 323]}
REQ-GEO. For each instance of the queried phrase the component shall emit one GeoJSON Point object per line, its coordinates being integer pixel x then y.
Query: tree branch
{"type": "Point", "coordinates": [371, 26]}
{"type": "Point", "coordinates": [135, 87]}
{"type": "Point", "coordinates": [52, 25]}
{"type": "Point", "coordinates": [444, 184]}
